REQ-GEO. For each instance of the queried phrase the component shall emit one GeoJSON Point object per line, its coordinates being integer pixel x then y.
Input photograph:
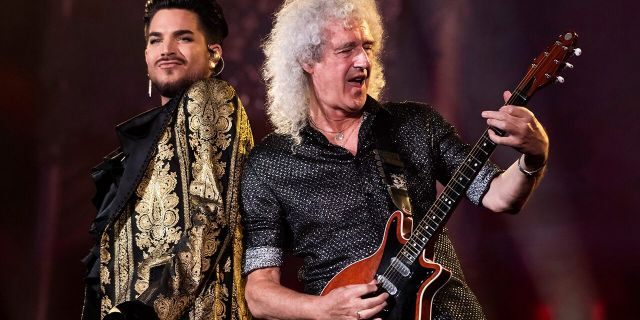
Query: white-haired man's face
{"type": "Point", "coordinates": [341, 77]}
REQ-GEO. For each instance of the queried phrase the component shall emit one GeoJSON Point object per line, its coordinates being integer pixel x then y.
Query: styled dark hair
{"type": "Point", "coordinates": [209, 14]}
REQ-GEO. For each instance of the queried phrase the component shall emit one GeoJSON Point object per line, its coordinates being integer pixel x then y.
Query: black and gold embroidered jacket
{"type": "Point", "coordinates": [168, 227]}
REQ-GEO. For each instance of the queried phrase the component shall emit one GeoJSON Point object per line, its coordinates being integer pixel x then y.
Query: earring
{"type": "Point", "coordinates": [149, 92]}
{"type": "Point", "coordinates": [213, 66]}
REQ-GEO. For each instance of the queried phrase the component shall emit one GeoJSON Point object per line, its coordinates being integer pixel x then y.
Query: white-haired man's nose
{"type": "Point", "coordinates": [362, 60]}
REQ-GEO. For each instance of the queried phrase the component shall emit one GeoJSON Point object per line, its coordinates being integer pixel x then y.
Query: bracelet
{"type": "Point", "coordinates": [530, 173]}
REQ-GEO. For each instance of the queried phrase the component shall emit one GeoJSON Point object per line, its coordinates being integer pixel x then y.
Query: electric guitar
{"type": "Point", "coordinates": [402, 266]}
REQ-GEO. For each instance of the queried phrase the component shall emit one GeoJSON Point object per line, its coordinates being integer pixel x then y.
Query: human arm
{"type": "Point", "coordinates": [268, 299]}
{"type": "Point", "coordinates": [509, 191]}
{"type": "Point", "coordinates": [270, 222]}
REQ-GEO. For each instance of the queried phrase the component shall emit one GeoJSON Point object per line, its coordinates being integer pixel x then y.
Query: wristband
{"type": "Point", "coordinates": [530, 173]}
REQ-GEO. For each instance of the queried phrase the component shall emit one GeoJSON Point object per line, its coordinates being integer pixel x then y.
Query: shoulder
{"type": "Point", "coordinates": [416, 116]}
{"type": "Point", "coordinates": [273, 146]}
{"type": "Point", "coordinates": [268, 158]}
{"type": "Point", "coordinates": [211, 103]}
{"type": "Point", "coordinates": [410, 109]}
{"type": "Point", "coordinates": [215, 90]}
{"type": "Point", "coordinates": [211, 98]}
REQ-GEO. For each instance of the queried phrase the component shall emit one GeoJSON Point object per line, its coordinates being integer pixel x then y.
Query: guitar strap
{"type": "Point", "coordinates": [389, 162]}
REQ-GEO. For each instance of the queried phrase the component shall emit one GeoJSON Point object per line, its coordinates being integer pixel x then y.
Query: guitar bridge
{"type": "Point", "coordinates": [387, 285]}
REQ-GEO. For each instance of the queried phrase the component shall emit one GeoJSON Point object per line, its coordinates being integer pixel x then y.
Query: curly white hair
{"type": "Point", "coordinates": [297, 38]}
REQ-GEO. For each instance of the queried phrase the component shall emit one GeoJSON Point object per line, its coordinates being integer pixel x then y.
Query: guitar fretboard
{"type": "Point", "coordinates": [448, 199]}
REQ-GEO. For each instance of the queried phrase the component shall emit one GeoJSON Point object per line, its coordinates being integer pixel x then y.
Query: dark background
{"type": "Point", "coordinates": [71, 70]}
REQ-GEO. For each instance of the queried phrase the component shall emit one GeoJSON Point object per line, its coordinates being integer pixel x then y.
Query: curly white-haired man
{"type": "Point", "coordinates": [314, 187]}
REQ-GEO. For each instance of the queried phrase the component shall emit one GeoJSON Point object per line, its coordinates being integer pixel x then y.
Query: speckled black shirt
{"type": "Point", "coordinates": [330, 207]}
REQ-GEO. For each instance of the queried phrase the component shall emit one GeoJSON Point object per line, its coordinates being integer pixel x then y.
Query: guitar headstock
{"type": "Point", "coordinates": [546, 67]}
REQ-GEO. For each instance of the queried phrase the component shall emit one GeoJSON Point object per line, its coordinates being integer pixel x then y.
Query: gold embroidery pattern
{"type": "Point", "coordinates": [184, 160]}
{"type": "Point", "coordinates": [209, 124]}
{"type": "Point", "coordinates": [105, 276]}
{"type": "Point", "coordinates": [239, 304]}
{"type": "Point", "coordinates": [204, 305]}
{"type": "Point", "coordinates": [244, 143]}
{"type": "Point", "coordinates": [123, 269]}
{"type": "Point", "coordinates": [156, 212]}
{"type": "Point", "coordinates": [105, 257]}
{"type": "Point", "coordinates": [170, 307]}
{"type": "Point", "coordinates": [221, 296]}
{"type": "Point", "coordinates": [105, 306]}
{"type": "Point", "coordinates": [210, 108]}
{"type": "Point", "coordinates": [245, 137]}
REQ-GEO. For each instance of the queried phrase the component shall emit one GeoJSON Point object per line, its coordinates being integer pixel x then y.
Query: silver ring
{"type": "Point", "coordinates": [358, 315]}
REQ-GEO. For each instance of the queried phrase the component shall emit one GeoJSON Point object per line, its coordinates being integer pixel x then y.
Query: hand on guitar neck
{"type": "Point", "coordinates": [521, 130]}
{"type": "Point", "coordinates": [517, 127]}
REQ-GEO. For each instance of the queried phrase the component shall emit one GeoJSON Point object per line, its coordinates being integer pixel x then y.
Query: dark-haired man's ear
{"type": "Point", "coordinates": [215, 52]}
{"type": "Point", "coordinates": [216, 63]}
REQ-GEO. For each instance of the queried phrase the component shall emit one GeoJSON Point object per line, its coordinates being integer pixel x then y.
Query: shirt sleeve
{"type": "Point", "coordinates": [452, 152]}
{"type": "Point", "coordinates": [262, 218]}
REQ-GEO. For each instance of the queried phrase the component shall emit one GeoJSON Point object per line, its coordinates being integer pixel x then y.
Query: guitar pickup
{"type": "Point", "coordinates": [400, 267]}
{"type": "Point", "coordinates": [387, 285]}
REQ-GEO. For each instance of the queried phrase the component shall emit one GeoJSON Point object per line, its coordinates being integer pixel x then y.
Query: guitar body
{"type": "Point", "coordinates": [413, 299]}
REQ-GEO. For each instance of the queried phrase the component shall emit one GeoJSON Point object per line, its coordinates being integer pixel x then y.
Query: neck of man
{"type": "Point", "coordinates": [339, 126]}
{"type": "Point", "coordinates": [332, 119]}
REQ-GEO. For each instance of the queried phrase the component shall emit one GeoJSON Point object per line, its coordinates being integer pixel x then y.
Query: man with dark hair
{"type": "Point", "coordinates": [168, 232]}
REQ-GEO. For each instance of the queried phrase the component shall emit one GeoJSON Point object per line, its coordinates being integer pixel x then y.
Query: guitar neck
{"type": "Point", "coordinates": [459, 183]}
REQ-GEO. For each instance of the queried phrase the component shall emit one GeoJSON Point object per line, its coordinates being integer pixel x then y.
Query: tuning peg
{"type": "Point", "coordinates": [559, 79]}
{"type": "Point", "coordinates": [577, 52]}
{"type": "Point", "coordinates": [564, 63]}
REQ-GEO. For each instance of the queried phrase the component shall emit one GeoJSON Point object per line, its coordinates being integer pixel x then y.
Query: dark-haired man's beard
{"type": "Point", "coordinates": [171, 89]}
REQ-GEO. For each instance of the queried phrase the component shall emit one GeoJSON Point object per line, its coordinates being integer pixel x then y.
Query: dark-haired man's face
{"type": "Point", "coordinates": [176, 53]}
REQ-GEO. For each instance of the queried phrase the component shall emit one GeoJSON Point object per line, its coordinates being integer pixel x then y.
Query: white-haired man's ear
{"type": "Point", "coordinates": [308, 67]}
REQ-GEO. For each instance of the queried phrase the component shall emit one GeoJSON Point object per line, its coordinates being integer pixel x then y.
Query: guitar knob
{"type": "Point", "coordinates": [577, 52]}
{"type": "Point", "coordinates": [568, 65]}
{"type": "Point", "coordinates": [559, 79]}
